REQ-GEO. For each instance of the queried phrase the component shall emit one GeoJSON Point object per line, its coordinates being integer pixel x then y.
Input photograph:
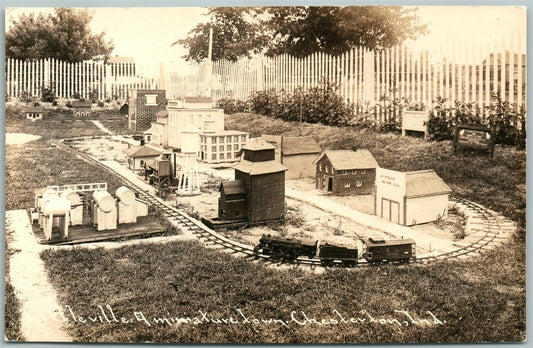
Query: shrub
{"type": "Point", "coordinates": [263, 102]}
{"type": "Point", "coordinates": [25, 97]}
{"type": "Point", "coordinates": [68, 104]}
{"type": "Point", "coordinates": [48, 94]}
{"type": "Point", "coordinates": [93, 96]}
{"type": "Point", "coordinates": [75, 95]}
{"type": "Point", "coordinates": [100, 104]}
{"type": "Point", "coordinates": [508, 122]}
{"type": "Point", "coordinates": [232, 106]}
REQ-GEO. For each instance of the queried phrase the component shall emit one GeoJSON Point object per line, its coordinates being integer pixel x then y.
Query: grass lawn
{"type": "Point", "coordinates": [480, 299]}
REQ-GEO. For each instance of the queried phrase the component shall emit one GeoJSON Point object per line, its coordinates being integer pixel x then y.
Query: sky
{"type": "Point", "coordinates": [146, 33]}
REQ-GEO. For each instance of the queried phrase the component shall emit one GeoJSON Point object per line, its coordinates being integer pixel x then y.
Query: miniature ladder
{"type": "Point", "coordinates": [189, 182]}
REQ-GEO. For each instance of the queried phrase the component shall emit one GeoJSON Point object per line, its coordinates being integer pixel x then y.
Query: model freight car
{"type": "Point", "coordinates": [330, 254]}
{"type": "Point", "coordinates": [389, 251]}
{"type": "Point", "coordinates": [285, 248]}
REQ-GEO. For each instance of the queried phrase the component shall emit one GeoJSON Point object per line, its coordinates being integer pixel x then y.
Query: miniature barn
{"type": "Point", "coordinates": [138, 156]}
{"type": "Point", "coordinates": [143, 104]}
{"type": "Point", "coordinates": [34, 113]}
{"type": "Point", "coordinates": [410, 198]}
{"type": "Point", "coordinates": [346, 171]}
{"type": "Point", "coordinates": [222, 146]}
{"type": "Point", "coordinates": [81, 108]}
{"type": "Point", "coordinates": [297, 153]}
{"type": "Point", "coordinates": [260, 180]}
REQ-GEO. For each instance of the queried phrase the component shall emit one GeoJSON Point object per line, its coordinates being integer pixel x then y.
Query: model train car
{"type": "Point", "coordinates": [374, 251]}
{"type": "Point", "coordinates": [389, 251]}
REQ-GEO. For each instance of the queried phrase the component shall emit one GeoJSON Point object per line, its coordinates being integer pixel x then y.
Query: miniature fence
{"type": "Point", "coordinates": [87, 80]}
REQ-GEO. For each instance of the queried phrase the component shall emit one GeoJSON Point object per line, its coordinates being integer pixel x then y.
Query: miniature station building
{"type": "Point", "coordinates": [143, 104]}
{"type": "Point", "coordinates": [34, 113]}
{"type": "Point", "coordinates": [139, 156]}
{"type": "Point", "coordinates": [258, 192]}
{"type": "Point", "coordinates": [81, 108]}
{"type": "Point", "coordinates": [346, 171]}
{"type": "Point", "coordinates": [222, 146]}
{"type": "Point", "coordinates": [410, 198]}
{"type": "Point", "coordinates": [297, 153]}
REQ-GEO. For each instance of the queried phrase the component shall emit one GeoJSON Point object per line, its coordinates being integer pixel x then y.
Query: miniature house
{"type": "Point", "coordinates": [35, 113]}
{"type": "Point", "coordinates": [296, 153]}
{"type": "Point", "coordinates": [143, 105]}
{"type": "Point", "coordinates": [345, 171]}
{"type": "Point", "coordinates": [232, 201]}
{"type": "Point", "coordinates": [139, 155]}
{"type": "Point", "coordinates": [81, 108]}
{"type": "Point", "coordinates": [159, 129]}
{"type": "Point", "coordinates": [410, 198]}
{"type": "Point", "coordinates": [223, 146]}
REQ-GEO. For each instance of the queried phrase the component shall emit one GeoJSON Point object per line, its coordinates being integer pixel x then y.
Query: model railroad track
{"type": "Point", "coordinates": [492, 224]}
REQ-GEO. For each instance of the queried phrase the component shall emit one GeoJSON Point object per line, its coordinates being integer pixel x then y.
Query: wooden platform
{"type": "Point", "coordinates": [145, 226]}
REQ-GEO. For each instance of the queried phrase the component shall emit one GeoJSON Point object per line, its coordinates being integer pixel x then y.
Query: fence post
{"type": "Point", "coordinates": [107, 81]}
{"type": "Point", "coordinates": [47, 72]}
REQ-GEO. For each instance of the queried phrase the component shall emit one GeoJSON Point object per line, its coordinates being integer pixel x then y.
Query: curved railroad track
{"type": "Point", "coordinates": [494, 227]}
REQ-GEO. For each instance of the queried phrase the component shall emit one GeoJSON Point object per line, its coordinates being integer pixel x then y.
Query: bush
{"type": "Point", "coordinates": [508, 122]}
{"type": "Point", "coordinates": [25, 97]}
{"type": "Point", "coordinates": [93, 96]}
{"type": "Point", "coordinates": [263, 102]}
{"type": "Point", "coordinates": [48, 94]}
{"type": "Point", "coordinates": [100, 104]}
{"type": "Point", "coordinates": [68, 104]}
{"type": "Point", "coordinates": [75, 95]}
{"type": "Point", "coordinates": [232, 106]}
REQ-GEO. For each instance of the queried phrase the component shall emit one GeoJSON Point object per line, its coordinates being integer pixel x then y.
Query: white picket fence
{"type": "Point", "coordinates": [73, 79]}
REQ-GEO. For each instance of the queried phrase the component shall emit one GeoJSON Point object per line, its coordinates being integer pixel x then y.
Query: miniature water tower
{"type": "Point", "coordinates": [104, 211]}
{"type": "Point", "coordinates": [189, 181]}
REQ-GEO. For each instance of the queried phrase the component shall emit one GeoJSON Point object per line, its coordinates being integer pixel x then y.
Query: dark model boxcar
{"type": "Point", "coordinates": [285, 248]}
{"type": "Point", "coordinates": [381, 251]}
{"type": "Point", "coordinates": [330, 253]}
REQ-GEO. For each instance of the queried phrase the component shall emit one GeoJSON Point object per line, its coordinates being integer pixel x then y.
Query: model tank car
{"type": "Point", "coordinates": [389, 251]}
{"type": "Point", "coordinates": [285, 248]}
{"type": "Point", "coordinates": [331, 254]}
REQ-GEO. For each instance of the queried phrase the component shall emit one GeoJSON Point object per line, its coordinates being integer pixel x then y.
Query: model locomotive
{"type": "Point", "coordinates": [374, 251]}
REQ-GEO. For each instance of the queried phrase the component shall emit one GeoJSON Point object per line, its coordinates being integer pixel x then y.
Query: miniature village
{"type": "Point", "coordinates": [247, 188]}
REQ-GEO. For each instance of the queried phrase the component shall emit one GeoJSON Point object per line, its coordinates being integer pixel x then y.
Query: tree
{"type": "Point", "coordinates": [301, 31]}
{"type": "Point", "coordinates": [235, 35]}
{"type": "Point", "coordinates": [64, 35]}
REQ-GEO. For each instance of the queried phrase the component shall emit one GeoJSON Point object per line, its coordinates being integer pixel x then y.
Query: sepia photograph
{"type": "Point", "coordinates": [265, 174]}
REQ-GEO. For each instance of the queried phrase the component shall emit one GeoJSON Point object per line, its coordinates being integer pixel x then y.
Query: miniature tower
{"type": "Point", "coordinates": [189, 181]}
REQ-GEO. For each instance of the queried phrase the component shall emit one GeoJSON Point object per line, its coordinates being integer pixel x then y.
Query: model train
{"type": "Point", "coordinates": [374, 251]}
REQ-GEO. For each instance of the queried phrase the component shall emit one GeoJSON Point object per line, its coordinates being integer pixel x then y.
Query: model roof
{"type": "Point", "coordinates": [258, 168]}
{"type": "Point", "coordinates": [381, 242]}
{"type": "Point", "coordinates": [257, 144]}
{"type": "Point", "coordinates": [223, 133]}
{"type": "Point", "coordinates": [141, 151]}
{"type": "Point", "coordinates": [78, 103]}
{"type": "Point", "coordinates": [424, 183]}
{"type": "Point", "coordinates": [37, 108]}
{"type": "Point", "coordinates": [198, 99]}
{"type": "Point", "coordinates": [233, 187]}
{"type": "Point", "coordinates": [299, 145]}
{"type": "Point", "coordinates": [162, 113]}
{"type": "Point", "coordinates": [348, 159]}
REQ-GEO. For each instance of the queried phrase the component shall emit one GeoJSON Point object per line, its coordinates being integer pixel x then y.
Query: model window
{"type": "Point", "coordinates": [354, 171]}
{"type": "Point", "coordinates": [344, 172]}
{"type": "Point", "coordinates": [363, 171]}
{"type": "Point", "coordinates": [332, 170]}
{"type": "Point", "coordinates": [142, 163]}
{"type": "Point", "coordinates": [221, 156]}
{"type": "Point", "coordinates": [229, 147]}
{"type": "Point", "coordinates": [235, 147]}
{"type": "Point", "coordinates": [347, 184]}
{"type": "Point", "coordinates": [358, 183]}
{"type": "Point", "coordinates": [236, 155]}
{"type": "Point", "coordinates": [214, 156]}
{"type": "Point", "coordinates": [327, 169]}
{"type": "Point", "coordinates": [214, 148]}
{"type": "Point", "coordinates": [243, 138]}
{"type": "Point", "coordinates": [236, 138]}
{"type": "Point", "coordinates": [221, 148]}
{"type": "Point", "coordinates": [221, 139]}
{"type": "Point", "coordinates": [228, 155]}
{"type": "Point", "coordinates": [319, 167]}
{"type": "Point", "coordinates": [228, 139]}
{"type": "Point", "coordinates": [213, 140]}
{"type": "Point", "coordinates": [151, 99]}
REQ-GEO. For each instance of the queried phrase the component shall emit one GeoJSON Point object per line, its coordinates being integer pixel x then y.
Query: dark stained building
{"type": "Point", "coordinates": [346, 171]}
{"type": "Point", "coordinates": [232, 200]}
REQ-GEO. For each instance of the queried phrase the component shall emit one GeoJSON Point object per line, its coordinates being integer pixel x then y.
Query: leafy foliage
{"type": "Point", "coordinates": [299, 31]}
{"type": "Point", "coordinates": [63, 35]}
{"type": "Point", "coordinates": [232, 106]}
{"type": "Point", "coordinates": [48, 94]}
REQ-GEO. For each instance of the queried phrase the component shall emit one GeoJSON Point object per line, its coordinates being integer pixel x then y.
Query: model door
{"type": "Point", "coordinates": [395, 212]}
{"type": "Point", "coordinates": [385, 209]}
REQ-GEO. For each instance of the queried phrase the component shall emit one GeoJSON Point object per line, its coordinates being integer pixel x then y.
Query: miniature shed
{"type": "Point", "coordinates": [346, 171]}
{"type": "Point", "coordinates": [139, 155]}
{"type": "Point", "coordinates": [410, 198]}
{"type": "Point", "coordinates": [297, 153]}
{"type": "Point", "coordinates": [143, 105]}
{"type": "Point", "coordinates": [81, 108]}
{"type": "Point", "coordinates": [232, 200]}
{"type": "Point", "coordinates": [34, 113]}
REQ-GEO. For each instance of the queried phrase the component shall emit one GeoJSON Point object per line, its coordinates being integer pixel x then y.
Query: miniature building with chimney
{"type": "Point", "coordinates": [259, 181]}
{"type": "Point", "coordinates": [34, 113]}
{"type": "Point", "coordinates": [410, 198]}
{"type": "Point", "coordinates": [81, 108]}
{"type": "Point", "coordinates": [143, 105]}
{"type": "Point", "coordinates": [297, 153]}
{"type": "Point", "coordinates": [346, 171]}
{"type": "Point", "coordinates": [138, 156]}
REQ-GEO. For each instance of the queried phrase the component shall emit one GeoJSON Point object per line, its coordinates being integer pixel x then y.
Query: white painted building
{"type": "Point", "coordinates": [223, 146]}
{"type": "Point", "coordinates": [410, 198]}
